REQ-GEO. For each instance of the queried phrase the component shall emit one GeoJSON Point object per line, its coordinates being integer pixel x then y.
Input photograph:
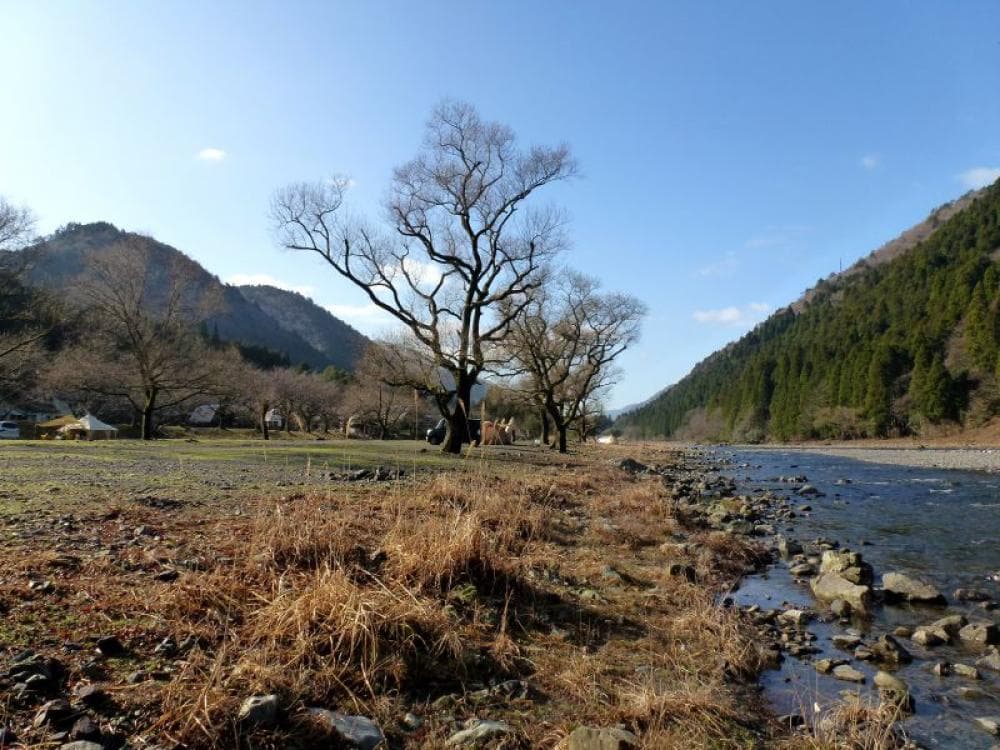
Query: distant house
{"type": "Point", "coordinates": [274, 420]}
{"type": "Point", "coordinates": [204, 415]}
{"type": "Point", "coordinates": [34, 411]}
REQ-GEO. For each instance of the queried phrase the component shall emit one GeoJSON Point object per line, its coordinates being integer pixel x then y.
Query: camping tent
{"type": "Point", "coordinates": [50, 428]}
{"type": "Point", "coordinates": [89, 427]}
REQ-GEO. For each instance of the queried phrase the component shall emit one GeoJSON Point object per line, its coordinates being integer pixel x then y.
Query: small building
{"type": "Point", "coordinates": [274, 420]}
{"type": "Point", "coordinates": [88, 427]}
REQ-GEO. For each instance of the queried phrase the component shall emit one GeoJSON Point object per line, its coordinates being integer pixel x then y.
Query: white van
{"type": "Point", "coordinates": [9, 431]}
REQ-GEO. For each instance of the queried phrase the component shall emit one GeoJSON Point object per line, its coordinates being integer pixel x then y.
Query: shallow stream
{"type": "Point", "coordinates": [941, 525]}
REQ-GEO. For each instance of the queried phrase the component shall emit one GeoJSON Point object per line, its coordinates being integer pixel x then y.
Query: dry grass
{"type": "Point", "coordinates": [385, 599]}
{"type": "Point", "coordinates": [852, 726]}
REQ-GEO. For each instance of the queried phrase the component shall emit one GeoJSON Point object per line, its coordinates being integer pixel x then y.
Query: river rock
{"type": "Point", "coordinates": [259, 710]}
{"type": "Point", "coordinates": [952, 625]}
{"type": "Point", "coordinates": [983, 633]}
{"type": "Point", "coordinates": [966, 670]}
{"type": "Point", "coordinates": [885, 681]}
{"type": "Point", "coordinates": [848, 674]}
{"type": "Point", "coordinates": [825, 666]}
{"type": "Point", "coordinates": [990, 723]}
{"type": "Point", "coordinates": [795, 617]}
{"type": "Point", "coordinates": [829, 587]}
{"type": "Point", "coordinates": [840, 608]}
{"type": "Point", "coordinates": [846, 642]}
{"type": "Point", "coordinates": [990, 661]}
{"type": "Point", "coordinates": [802, 570]}
{"type": "Point", "coordinates": [590, 738]}
{"type": "Point", "coordinates": [898, 587]}
{"type": "Point", "coordinates": [82, 745]}
{"type": "Point", "coordinates": [928, 637]}
{"type": "Point", "coordinates": [971, 693]}
{"type": "Point", "coordinates": [788, 547]}
{"type": "Point", "coordinates": [890, 651]}
{"type": "Point", "coordinates": [808, 490]}
{"type": "Point", "coordinates": [894, 690]}
{"type": "Point", "coordinates": [971, 595]}
{"type": "Point", "coordinates": [848, 565]}
{"type": "Point", "coordinates": [357, 731]}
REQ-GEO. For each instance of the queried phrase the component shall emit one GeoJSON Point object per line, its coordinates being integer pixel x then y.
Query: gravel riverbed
{"type": "Point", "coordinates": [972, 459]}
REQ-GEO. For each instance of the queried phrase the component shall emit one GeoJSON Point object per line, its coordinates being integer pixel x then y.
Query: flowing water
{"type": "Point", "coordinates": [941, 525]}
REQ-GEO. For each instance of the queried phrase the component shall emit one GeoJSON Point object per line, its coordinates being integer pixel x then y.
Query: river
{"type": "Point", "coordinates": [939, 524]}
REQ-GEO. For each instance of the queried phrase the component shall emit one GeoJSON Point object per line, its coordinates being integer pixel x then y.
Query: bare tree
{"type": "Point", "coordinates": [142, 345]}
{"type": "Point", "coordinates": [565, 343]}
{"type": "Point", "coordinates": [374, 398]}
{"type": "Point", "coordinates": [17, 225]}
{"type": "Point", "coordinates": [27, 316]}
{"type": "Point", "coordinates": [464, 251]}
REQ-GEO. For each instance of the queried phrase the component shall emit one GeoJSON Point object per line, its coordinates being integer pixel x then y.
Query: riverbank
{"type": "Point", "coordinates": [517, 599]}
{"type": "Point", "coordinates": [888, 581]}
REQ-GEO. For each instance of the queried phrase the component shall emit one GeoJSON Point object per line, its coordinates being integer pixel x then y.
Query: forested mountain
{"type": "Point", "coordinates": [329, 335]}
{"type": "Point", "coordinates": [314, 337]}
{"type": "Point", "coordinates": [904, 342]}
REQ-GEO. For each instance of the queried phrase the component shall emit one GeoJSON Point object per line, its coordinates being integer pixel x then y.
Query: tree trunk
{"type": "Point", "coordinates": [561, 427]}
{"type": "Point", "coordinates": [263, 424]}
{"type": "Point", "coordinates": [545, 427]}
{"type": "Point", "coordinates": [458, 420]}
{"type": "Point", "coordinates": [148, 407]}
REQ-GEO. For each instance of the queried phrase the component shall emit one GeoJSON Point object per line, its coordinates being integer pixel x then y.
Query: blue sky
{"type": "Point", "coordinates": [732, 153]}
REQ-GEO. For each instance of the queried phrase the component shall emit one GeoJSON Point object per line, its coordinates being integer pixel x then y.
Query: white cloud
{"type": "Point", "coordinates": [212, 154]}
{"type": "Point", "coordinates": [725, 267]}
{"type": "Point", "coordinates": [370, 319]}
{"type": "Point", "coordinates": [366, 312]}
{"type": "Point", "coordinates": [870, 161]}
{"type": "Point", "coordinates": [733, 315]}
{"type": "Point", "coordinates": [424, 274]}
{"type": "Point", "coordinates": [978, 177]}
{"type": "Point", "coordinates": [263, 279]}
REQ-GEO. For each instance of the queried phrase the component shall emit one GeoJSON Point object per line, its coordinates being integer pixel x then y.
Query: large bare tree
{"type": "Point", "coordinates": [463, 250]}
{"type": "Point", "coordinates": [142, 345]}
{"type": "Point", "coordinates": [26, 315]}
{"type": "Point", "coordinates": [565, 342]}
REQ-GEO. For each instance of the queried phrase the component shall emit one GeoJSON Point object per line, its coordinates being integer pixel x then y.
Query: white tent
{"type": "Point", "coordinates": [89, 427]}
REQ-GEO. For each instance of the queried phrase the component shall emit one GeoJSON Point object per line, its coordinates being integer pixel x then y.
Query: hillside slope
{"type": "Point", "coordinates": [904, 342]}
{"type": "Point", "coordinates": [329, 335]}
{"type": "Point", "coordinates": [61, 261]}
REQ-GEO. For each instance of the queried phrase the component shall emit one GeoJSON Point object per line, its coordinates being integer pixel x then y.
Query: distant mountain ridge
{"type": "Point", "coordinates": [284, 322]}
{"type": "Point", "coordinates": [906, 340]}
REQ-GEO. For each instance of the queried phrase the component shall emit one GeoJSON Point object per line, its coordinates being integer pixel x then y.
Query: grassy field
{"type": "Point", "coordinates": [515, 586]}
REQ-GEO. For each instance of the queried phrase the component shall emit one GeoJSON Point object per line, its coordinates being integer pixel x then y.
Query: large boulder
{"type": "Point", "coordinates": [900, 587]}
{"type": "Point", "coordinates": [847, 565]}
{"type": "Point", "coordinates": [888, 650]}
{"type": "Point", "coordinates": [983, 633]}
{"type": "Point", "coordinates": [829, 587]}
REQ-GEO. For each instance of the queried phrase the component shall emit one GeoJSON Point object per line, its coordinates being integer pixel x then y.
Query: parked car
{"type": "Point", "coordinates": [436, 434]}
{"type": "Point", "coordinates": [9, 431]}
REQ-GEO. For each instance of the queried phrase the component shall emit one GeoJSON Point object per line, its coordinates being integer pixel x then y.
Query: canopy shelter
{"type": "Point", "coordinates": [88, 427]}
{"type": "Point", "coordinates": [50, 428]}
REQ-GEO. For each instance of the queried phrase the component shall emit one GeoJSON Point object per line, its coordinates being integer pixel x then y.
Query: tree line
{"type": "Point", "coordinates": [467, 263]}
{"type": "Point", "coordinates": [906, 347]}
